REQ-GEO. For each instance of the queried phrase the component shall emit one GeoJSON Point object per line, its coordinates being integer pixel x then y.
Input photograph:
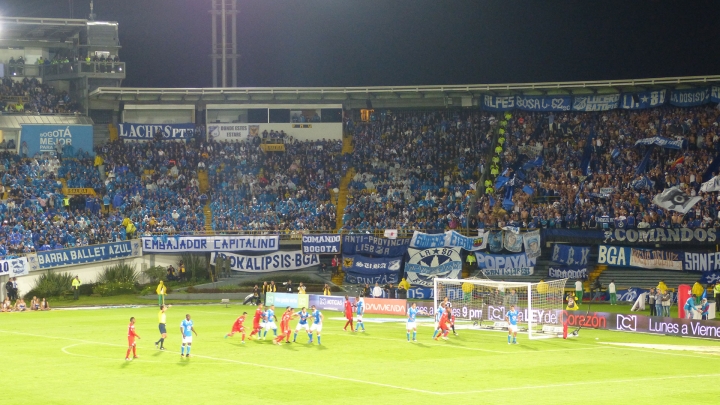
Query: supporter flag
{"type": "Point", "coordinates": [679, 161]}
{"type": "Point", "coordinates": [391, 233]}
{"type": "Point", "coordinates": [704, 295]}
{"type": "Point", "coordinates": [711, 185]}
{"type": "Point", "coordinates": [528, 190]}
{"type": "Point", "coordinates": [675, 199]}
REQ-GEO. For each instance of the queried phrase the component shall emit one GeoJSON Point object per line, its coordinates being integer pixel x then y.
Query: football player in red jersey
{"type": "Point", "coordinates": [131, 340]}
{"type": "Point", "coordinates": [238, 327]}
{"type": "Point", "coordinates": [284, 326]}
{"type": "Point", "coordinates": [442, 326]}
{"type": "Point", "coordinates": [259, 313]}
{"type": "Point", "coordinates": [348, 314]}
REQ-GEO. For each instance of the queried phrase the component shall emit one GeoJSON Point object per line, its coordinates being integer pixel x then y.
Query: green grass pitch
{"type": "Point", "coordinates": [77, 357]}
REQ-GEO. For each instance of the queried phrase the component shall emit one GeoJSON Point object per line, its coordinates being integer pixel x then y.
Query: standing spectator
{"type": "Point", "coordinates": [377, 291]}
{"type": "Point", "coordinates": [288, 286]}
{"type": "Point", "coordinates": [326, 289]}
{"type": "Point", "coordinates": [272, 287]}
{"type": "Point", "coordinates": [391, 292]}
{"type": "Point", "coordinates": [161, 290]}
{"type": "Point", "coordinates": [265, 290]}
{"type": "Point", "coordinates": [256, 295]}
{"type": "Point", "coordinates": [716, 290]}
{"type": "Point", "coordinates": [59, 150]}
{"type": "Point", "coordinates": [579, 290]}
{"type": "Point", "coordinates": [658, 302]}
{"type": "Point", "coordinates": [183, 274]}
{"type": "Point", "coordinates": [612, 292]}
{"type": "Point", "coordinates": [301, 288]}
{"type": "Point", "coordinates": [76, 287]}
{"type": "Point", "coordinates": [651, 301]}
{"type": "Point", "coordinates": [666, 302]}
{"type": "Point", "coordinates": [367, 291]}
{"type": "Point", "coordinates": [10, 290]}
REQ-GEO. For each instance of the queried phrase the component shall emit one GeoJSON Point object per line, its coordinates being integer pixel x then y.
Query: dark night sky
{"type": "Point", "coordinates": [166, 43]}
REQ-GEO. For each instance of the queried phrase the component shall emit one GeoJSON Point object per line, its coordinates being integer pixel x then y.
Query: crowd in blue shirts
{"type": "Point", "coordinates": [31, 96]}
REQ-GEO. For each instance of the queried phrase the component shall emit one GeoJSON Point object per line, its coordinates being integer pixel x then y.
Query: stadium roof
{"type": "Point", "coordinates": [312, 94]}
{"type": "Point", "coordinates": [39, 29]}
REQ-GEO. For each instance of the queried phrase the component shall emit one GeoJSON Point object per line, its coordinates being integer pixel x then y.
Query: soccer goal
{"type": "Point", "coordinates": [485, 303]}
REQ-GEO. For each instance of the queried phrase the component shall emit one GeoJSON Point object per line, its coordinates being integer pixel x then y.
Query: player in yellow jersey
{"type": "Point", "coordinates": [162, 320]}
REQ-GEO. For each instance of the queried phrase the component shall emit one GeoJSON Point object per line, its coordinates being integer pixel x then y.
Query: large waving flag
{"type": "Point", "coordinates": [711, 185]}
{"type": "Point", "coordinates": [674, 199]}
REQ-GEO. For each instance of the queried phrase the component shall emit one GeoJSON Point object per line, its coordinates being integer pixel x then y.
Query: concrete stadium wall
{"type": "Point", "coordinates": [89, 272]}
{"type": "Point", "coordinates": [318, 130]}
{"type": "Point", "coordinates": [159, 114]}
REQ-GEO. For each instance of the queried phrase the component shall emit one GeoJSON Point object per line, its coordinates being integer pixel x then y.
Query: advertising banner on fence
{"type": "Point", "coordinates": [83, 255]}
{"type": "Point", "coordinates": [282, 300]}
{"type": "Point", "coordinates": [450, 239]}
{"type": "Point", "coordinates": [184, 244]}
{"type": "Point", "coordinates": [17, 267]}
{"type": "Point", "coordinates": [385, 306]}
{"type": "Point", "coordinates": [147, 131]}
{"type": "Point", "coordinates": [366, 270]}
{"type": "Point", "coordinates": [641, 258]}
{"type": "Point", "coordinates": [328, 244]}
{"type": "Point", "coordinates": [228, 132]}
{"type": "Point", "coordinates": [641, 323]}
{"type": "Point", "coordinates": [570, 255]}
{"type": "Point", "coordinates": [43, 138]}
{"type": "Point", "coordinates": [374, 246]}
{"type": "Point", "coordinates": [424, 265]}
{"type": "Point", "coordinates": [276, 261]}
{"type": "Point", "coordinates": [329, 302]}
{"type": "Point", "coordinates": [572, 272]}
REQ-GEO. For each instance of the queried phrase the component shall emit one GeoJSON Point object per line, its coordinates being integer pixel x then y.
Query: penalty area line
{"type": "Point", "coordinates": [266, 366]}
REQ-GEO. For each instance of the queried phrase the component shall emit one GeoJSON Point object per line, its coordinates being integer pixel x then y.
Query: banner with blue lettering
{"type": "Point", "coordinates": [569, 254]}
{"type": "Point", "coordinates": [276, 261]}
{"type": "Point", "coordinates": [621, 256]}
{"type": "Point", "coordinates": [366, 270]}
{"type": "Point", "coordinates": [184, 244]}
{"type": "Point", "coordinates": [597, 102]}
{"type": "Point", "coordinates": [82, 255]}
{"type": "Point", "coordinates": [422, 240]}
{"type": "Point", "coordinates": [423, 266]}
{"type": "Point", "coordinates": [645, 99]}
{"type": "Point", "coordinates": [14, 267]}
{"type": "Point", "coordinates": [662, 142]}
{"type": "Point", "coordinates": [498, 103]}
{"type": "Point", "coordinates": [572, 272]}
{"type": "Point", "coordinates": [147, 131]}
{"type": "Point", "coordinates": [543, 103]}
{"type": "Point", "coordinates": [328, 244]}
{"type": "Point", "coordinates": [374, 246]}
{"type": "Point", "coordinates": [43, 138]}
{"type": "Point", "coordinates": [505, 265]}
{"type": "Point", "coordinates": [690, 97]}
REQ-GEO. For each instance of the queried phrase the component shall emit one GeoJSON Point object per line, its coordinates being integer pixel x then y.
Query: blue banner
{"type": "Point", "coordinates": [43, 138]}
{"type": "Point", "coordinates": [544, 103]}
{"type": "Point", "coordinates": [701, 261]}
{"type": "Point", "coordinates": [147, 131]}
{"type": "Point", "coordinates": [570, 255]}
{"type": "Point", "coordinates": [184, 244]}
{"type": "Point", "coordinates": [14, 267]}
{"type": "Point", "coordinates": [498, 103]}
{"type": "Point", "coordinates": [424, 265]}
{"type": "Point", "coordinates": [420, 293]}
{"type": "Point", "coordinates": [709, 277]}
{"type": "Point", "coordinates": [597, 102]}
{"type": "Point", "coordinates": [662, 142]}
{"type": "Point", "coordinates": [715, 94]}
{"type": "Point", "coordinates": [373, 246]}
{"type": "Point", "coordinates": [83, 255]}
{"type": "Point", "coordinates": [488, 261]}
{"type": "Point", "coordinates": [645, 99]}
{"type": "Point", "coordinates": [328, 244]}
{"type": "Point", "coordinates": [367, 270]}
{"type": "Point", "coordinates": [572, 272]}
{"type": "Point", "coordinates": [690, 97]}
{"type": "Point", "coordinates": [449, 239]}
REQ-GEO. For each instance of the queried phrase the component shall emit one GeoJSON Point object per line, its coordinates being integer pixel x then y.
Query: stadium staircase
{"type": "Point", "coordinates": [594, 274]}
{"type": "Point", "coordinates": [204, 183]}
{"type": "Point", "coordinates": [342, 198]}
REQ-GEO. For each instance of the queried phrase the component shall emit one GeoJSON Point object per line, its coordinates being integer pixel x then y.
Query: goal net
{"type": "Point", "coordinates": [485, 303]}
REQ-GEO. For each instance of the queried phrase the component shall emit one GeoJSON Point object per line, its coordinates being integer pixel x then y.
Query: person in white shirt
{"type": "Point", "coordinates": [612, 292]}
{"type": "Point", "coordinates": [377, 291]}
{"type": "Point", "coordinates": [579, 290]}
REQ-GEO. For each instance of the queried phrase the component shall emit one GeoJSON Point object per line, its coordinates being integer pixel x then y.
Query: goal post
{"type": "Point", "coordinates": [485, 302]}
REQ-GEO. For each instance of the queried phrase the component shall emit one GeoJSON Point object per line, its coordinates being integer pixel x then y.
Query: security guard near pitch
{"type": "Point", "coordinates": [76, 287]}
{"type": "Point", "coordinates": [716, 290]}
